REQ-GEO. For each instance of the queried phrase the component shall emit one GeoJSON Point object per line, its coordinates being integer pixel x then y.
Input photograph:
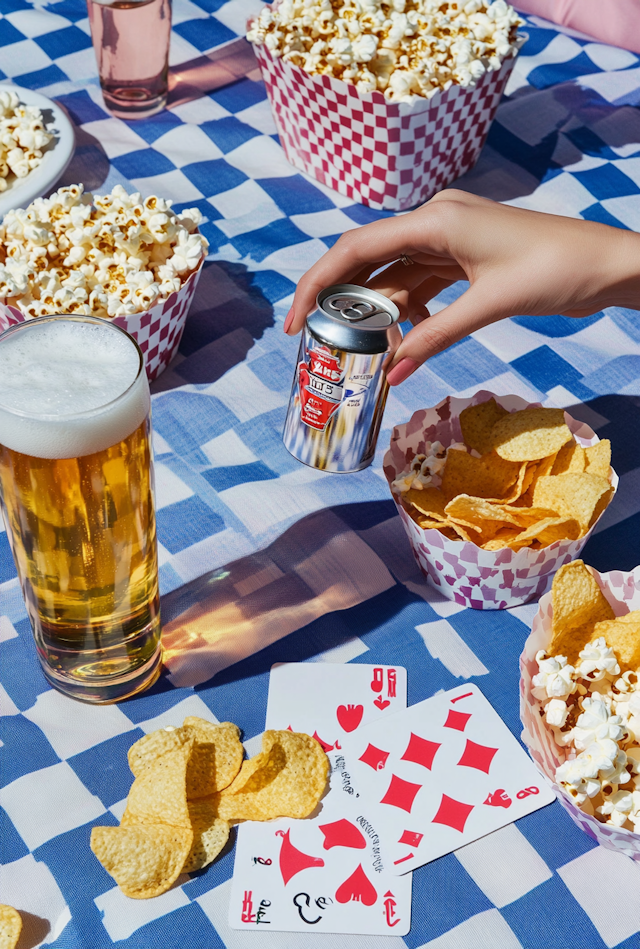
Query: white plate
{"type": "Point", "coordinates": [58, 154]}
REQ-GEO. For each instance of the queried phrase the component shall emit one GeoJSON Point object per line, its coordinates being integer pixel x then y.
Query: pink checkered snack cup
{"type": "Point", "coordinates": [385, 108]}
{"type": "Point", "coordinates": [119, 257]}
{"type": "Point", "coordinates": [568, 707]}
{"type": "Point", "coordinates": [520, 514]}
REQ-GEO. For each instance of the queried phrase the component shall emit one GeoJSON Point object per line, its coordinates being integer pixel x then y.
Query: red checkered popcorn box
{"type": "Point", "coordinates": [622, 590]}
{"type": "Point", "coordinates": [388, 155]}
{"type": "Point", "coordinates": [157, 331]}
{"type": "Point", "coordinates": [116, 256]}
{"type": "Point", "coordinates": [462, 571]}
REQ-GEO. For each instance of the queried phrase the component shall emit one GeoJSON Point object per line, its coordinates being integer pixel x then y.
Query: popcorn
{"type": "Point", "coordinates": [108, 255]}
{"type": "Point", "coordinates": [410, 47]}
{"type": "Point", "coordinates": [426, 469]}
{"type": "Point", "coordinates": [555, 679]}
{"type": "Point", "coordinates": [595, 713]}
{"type": "Point", "coordinates": [22, 137]}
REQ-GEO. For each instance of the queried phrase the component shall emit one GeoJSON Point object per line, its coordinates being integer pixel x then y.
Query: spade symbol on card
{"type": "Point", "coordinates": [358, 887]}
{"type": "Point", "coordinates": [342, 833]}
{"type": "Point", "coordinates": [381, 703]}
{"type": "Point", "coordinates": [292, 860]}
{"type": "Point", "coordinates": [349, 716]}
{"type": "Point", "coordinates": [499, 798]}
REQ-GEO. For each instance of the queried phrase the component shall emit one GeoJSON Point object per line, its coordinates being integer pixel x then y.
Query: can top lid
{"type": "Point", "coordinates": [354, 319]}
{"type": "Point", "coordinates": [359, 306]}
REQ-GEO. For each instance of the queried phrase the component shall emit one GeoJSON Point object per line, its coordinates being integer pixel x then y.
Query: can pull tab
{"type": "Point", "coordinates": [353, 310]}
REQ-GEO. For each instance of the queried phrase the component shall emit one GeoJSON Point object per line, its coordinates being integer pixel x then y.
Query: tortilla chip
{"type": "Point", "coordinates": [624, 638]}
{"type": "Point", "coordinates": [479, 511]}
{"type": "Point", "coordinates": [578, 604]}
{"type": "Point", "coordinates": [530, 434]}
{"type": "Point", "coordinates": [525, 477]}
{"type": "Point", "coordinates": [216, 757]}
{"type": "Point", "coordinates": [210, 834]}
{"type": "Point", "coordinates": [571, 457]}
{"type": "Point", "coordinates": [507, 537]}
{"type": "Point", "coordinates": [152, 746]}
{"type": "Point", "coordinates": [573, 495]}
{"type": "Point", "coordinates": [144, 861]}
{"type": "Point", "coordinates": [488, 477]}
{"type": "Point", "coordinates": [477, 421]}
{"type": "Point", "coordinates": [10, 926]}
{"type": "Point", "coordinates": [427, 524]}
{"type": "Point", "coordinates": [428, 501]}
{"type": "Point", "coordinates": [159, 794]}
{"type": "Point", "coordinates": [598, 458]}
{"type": "Point", "coordinates": [287, 779]}
{"type": "Point", "coordinates": [550, 529]}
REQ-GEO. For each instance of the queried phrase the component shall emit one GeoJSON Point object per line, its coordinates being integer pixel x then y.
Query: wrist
{"type": "Point", "coordinates": [623, 287]}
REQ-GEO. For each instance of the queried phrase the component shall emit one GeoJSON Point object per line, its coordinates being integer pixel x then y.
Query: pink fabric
{"type": "Point", "coordinates": [616, 22]}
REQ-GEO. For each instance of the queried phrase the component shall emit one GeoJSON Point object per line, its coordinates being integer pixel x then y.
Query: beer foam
{"type": "Point", "coordinates": [69, 388]}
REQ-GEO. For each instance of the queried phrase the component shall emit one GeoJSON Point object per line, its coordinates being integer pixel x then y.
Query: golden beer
{"type": "Point", "coordinates": [76, 487]}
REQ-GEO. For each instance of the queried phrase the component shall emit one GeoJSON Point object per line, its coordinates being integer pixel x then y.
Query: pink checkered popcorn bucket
{"type": "Point", "coordinates": [388, 155]}
{"type": "Point", "coordinates": [461, 571]}
{"type": "Point", "coordinates": [622, 590]}
{"type": "Point", "coordinates": [157, 331]}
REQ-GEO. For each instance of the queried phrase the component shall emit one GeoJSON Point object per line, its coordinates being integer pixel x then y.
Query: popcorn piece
{"type": "Point", "coordinates": [108, 256]}
{"type": "Point", "coordinates": [555, 679]}
{"type": "Point", "coordinates": [426, 469]}
{"type": "Point", "coordinates": [617, 808]}
{"type": "Point", "coordinates": [556, 713]}
{"type": "Point", "coordinates": [597, 660]}
{"type": "Point", "coordinates": [411, 47]}
{"type": "Point", "coordinates": [22, 137]}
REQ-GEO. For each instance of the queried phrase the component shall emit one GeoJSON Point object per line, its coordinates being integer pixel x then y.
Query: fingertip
{"type": "Point", "coordinates": [288, 320]}
{"type": "Point", "coordinates": [402, 370]}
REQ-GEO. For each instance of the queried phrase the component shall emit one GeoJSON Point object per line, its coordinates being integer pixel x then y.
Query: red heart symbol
{"type": "Point", "coordinates": [342, 833]}
{"type": "Point", "coordinates": [381, 703]}
{"type": "Point", "coordinates": [499, 798]}
{"type": "Point", "coordinates": [357, 887]}
{"type": "Point", "coordinates": [349, 716]}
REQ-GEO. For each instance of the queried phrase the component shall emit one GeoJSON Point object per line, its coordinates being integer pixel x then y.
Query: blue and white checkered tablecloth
{"type": "Point", "coordinates": [264, 560]}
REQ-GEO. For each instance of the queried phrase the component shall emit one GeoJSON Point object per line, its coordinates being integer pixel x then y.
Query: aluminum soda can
{"type": "Point", "coordinates": [339, 388]}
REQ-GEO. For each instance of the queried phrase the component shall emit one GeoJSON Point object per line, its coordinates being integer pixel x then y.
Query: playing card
{"type": "Point", "coordinates": [439, 775]}
{"type": "Point", "coordinates": [325, 873]}
{"type": "Point", "coordinates": [331, 701]}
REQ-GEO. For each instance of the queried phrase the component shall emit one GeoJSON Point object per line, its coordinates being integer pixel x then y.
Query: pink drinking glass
{"type": "Point", "coordinates": [131, 43]}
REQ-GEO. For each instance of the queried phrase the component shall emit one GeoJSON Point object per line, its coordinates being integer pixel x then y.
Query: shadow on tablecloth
{"type": "Point", "coordinates": [228, 314]}
{"type": "Point", "coordinates": [538, 132]}
{"type": "Point", "coordinates": [339, 557]}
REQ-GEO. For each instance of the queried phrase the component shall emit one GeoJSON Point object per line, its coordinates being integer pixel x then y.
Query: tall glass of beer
{"type": "Point", "coordinates": [76, 490]}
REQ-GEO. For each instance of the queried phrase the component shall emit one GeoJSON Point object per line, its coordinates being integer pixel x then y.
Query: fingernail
{"type": "Point", "coordinates": [402, 371]}
{"type": "Point", "coordinates": [288, 320]}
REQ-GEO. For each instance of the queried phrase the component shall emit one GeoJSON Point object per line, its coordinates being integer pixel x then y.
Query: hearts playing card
{"type": "Point", "coordinates": [325, 873]}
{"type": "Point", "coordinates": [438, 775]}
{"type": "Point", "coordinates": [330, 700]}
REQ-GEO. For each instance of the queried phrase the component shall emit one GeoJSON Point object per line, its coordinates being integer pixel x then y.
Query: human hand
{"type": "Point", "coordinates": [516, 261]}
